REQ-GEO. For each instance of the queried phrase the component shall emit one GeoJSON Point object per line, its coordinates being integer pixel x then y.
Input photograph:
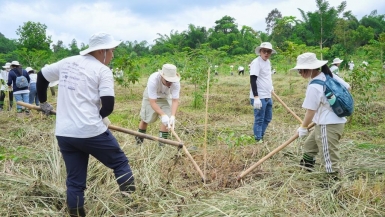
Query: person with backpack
{"type": "Point", "coordinates": [33, 98]}
{"type": "Point", "coordinates": [19, 79]}
{"type": "Point", "coordinates": [85, 99]}
{"type": "Point", "coordinates": [4, 88]}
{"type": "Point", "coordinates": [261, 86]}
{"type": "Point", "coordinates": [335, 64]}
{"type": "Point", "coordinates": [329, 127]}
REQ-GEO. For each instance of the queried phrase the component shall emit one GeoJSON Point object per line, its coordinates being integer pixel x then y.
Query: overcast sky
{"type": "Point", "coordinates": [130, 20]}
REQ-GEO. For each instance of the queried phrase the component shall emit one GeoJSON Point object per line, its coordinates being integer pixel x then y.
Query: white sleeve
{"type": "Point", "coordinates": [152, 87]}
{"type": "Point", "coordinates": [106, 85]}
{"type": "Point", "coordinates": [254, 68]}
{"type": "Point", "coordinates": [51, 72]}
{"type": "Point", "coordinates": [175, 89]}
{"type": "Point", "coordinates": [313, 97]}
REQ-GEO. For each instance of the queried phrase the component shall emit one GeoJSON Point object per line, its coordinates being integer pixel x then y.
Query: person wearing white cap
{"type": "Point", "coordinates": [329, 127]}
{"type": "Point", "coordinates": [335, 64]}
{"type": "Point", "coordinates": [33, 98]}
{"type": "Point", "coordinates": [163, 86]}
{"type": "Point", "coordinates": [18, 80]}
{"type": "Point", "coordinates": [84, 100]}
{"type": "Point", "coordinates": [3, 89]}
{"type": "Point", "coordinates": [261, 85]}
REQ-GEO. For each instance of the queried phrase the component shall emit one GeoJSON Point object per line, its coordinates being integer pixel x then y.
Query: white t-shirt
{"type": "Point", "coordinates": [156, 90]}
{"type": "Point", "coordinates": [315, 99]}
{"type": "Point", "coordinates": [33, 78]}
{"type": "Point", "coordinates": [351, 66]}
{"type": "Point", "coordinates": [240, 68]}
{"type": "Point", "coordinates": [262, 69]}
{"type": "Point", "coordinates": [334, 69]}
{"type": "Point", "coordinates": [82, 81]}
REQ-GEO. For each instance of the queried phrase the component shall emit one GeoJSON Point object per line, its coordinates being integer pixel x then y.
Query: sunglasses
{"type": "Point", "coordinates": [266, 51]}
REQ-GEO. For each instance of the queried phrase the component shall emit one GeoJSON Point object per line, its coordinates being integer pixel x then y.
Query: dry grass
{"type": "Point", "coordinates": [32, 173]}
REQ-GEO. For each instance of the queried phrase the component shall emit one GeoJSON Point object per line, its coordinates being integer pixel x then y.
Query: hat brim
{"type": "Point", "coordinates": [170, 79]}
{"type": "Point", "coordinates": [316, 65]}
{"type": "Point", "coordinates": [5, 67]}
{"type": "Point", "coordinates": [337, 62]}
{"type": "Point", "coordinates": [100, 47]}
{"type": "Point", "coordinates": [259, 48]}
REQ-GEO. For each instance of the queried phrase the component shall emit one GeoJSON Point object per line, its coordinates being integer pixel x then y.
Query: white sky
{"type": "Point", "coordinates": [130, 20]}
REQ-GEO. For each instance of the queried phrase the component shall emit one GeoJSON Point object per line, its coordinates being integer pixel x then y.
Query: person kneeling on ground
{"type": "Point", "coordinates": [329, 127]}
{"type": "Point", "coordinates": [85, 99]}
{"type": "Point", "coordinates": [162, 87]}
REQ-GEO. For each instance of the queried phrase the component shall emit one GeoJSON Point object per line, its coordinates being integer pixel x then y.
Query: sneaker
{"type": "Point", "coordinates": [307, 165]}
{"type": "Point", "coordinates": [259, 141]}
{"type": "Point", "coordinates": [139, 140]}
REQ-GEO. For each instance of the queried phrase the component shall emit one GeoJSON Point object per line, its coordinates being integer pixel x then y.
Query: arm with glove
{"type": "Point", "coordinates": [253, 82]}
{"type": "Point", "coordinates": [174, 107]}
{"type": "Point", "coordinates": [41, 87]}
{"type": "Point", "coordinates": [163, 116]}
{"type": "Point", "coordinates": [303, 130]}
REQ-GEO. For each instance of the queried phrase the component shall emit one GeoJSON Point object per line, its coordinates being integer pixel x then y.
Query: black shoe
{"type": "Point", "coordinates": [128, 187]}
{"type": "Point", "coordinates": [139, 140]}
{"type": "Point", "coordinates": [77, 212]}
{"type": "Point", "coordinates": [308, 165]}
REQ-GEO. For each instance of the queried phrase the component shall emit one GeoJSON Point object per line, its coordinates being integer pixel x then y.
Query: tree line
{"type": "Point", "coordinates": [330, 31]}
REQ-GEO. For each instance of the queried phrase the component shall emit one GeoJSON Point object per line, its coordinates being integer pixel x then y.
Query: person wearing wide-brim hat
{"type": "Point", "coordinates": [335, 64]}
{"type": "Point", "coordinates": [18, 80]}
{"type": "Point", "coordinates": [160, 100]}
{"type": "Point", "coordinates": [85, 99]}
{"type": "Point", "coordinates": [261, 86]}
{"type": "Point", "coordinates": [329, 127]}
{"type": "Point", "coordinates": [3, 88]}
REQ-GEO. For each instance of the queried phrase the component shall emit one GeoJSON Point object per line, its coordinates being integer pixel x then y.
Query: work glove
{"type": "Point", "coordinates": [171, 122]}
{"type": "Point", "coordinates": [302, 131]}
{"type": "Point", "coordinates": [257, 103]}
{"type": "Point", "coordinates": [46, 108]}
{"type": "Point", "coordinates": [106, 121]}
{"type": "Point", "coordinates": [165, 120]}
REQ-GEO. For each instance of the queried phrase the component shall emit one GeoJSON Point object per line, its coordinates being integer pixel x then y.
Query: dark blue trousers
{"type": "Point", "coordinates": [76, 151]}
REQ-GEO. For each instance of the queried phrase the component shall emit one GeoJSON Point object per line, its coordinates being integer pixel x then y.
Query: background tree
{"type": "Point", "coordinates": [33, 36]}
{"type": "Point", "coordinates": [271, 19]}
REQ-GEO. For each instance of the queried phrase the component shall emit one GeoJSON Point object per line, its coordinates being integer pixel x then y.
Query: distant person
{"type": "Point", "coordinates": [19, 79]}
{"type": "Point", "coordinates": [85, 99]}
{"type": "Point", "coordinates": [261, 85]}
{"type": "Point", "coordinates": [241, 70]}
{"type": "Point", "coordinates": [3, 89]}
{"type": "Point", "coordinates": [351, 65]}
{"type": "Point", "coordinates": [160, 101]}
{"type": "Point", "coordinates": [33, 98]}
{"type": "Point", "coordinates": [335, 64]}
{"type": "Point", "coordinates": [325, 137]}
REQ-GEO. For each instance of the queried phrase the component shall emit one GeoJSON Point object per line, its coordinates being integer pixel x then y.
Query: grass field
{"type": "Point", "coordinates": [32, 172]}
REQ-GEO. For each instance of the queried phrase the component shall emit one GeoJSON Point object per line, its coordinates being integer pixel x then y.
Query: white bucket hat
{"type": "Point", "coordinates": [265, 45]}
{"type": "Point", "coordinates": [15, 63]}
{"type": "Point", "coordinates": [28, 69]}
{"type": "Point", "coordinates": [169, 73]}
{"type": "Point", "coordinates": [7, 66]}
{"type": "Point", "coordinates": [100, 41]}
{"type": "Point", "coordinates": [337, 60]}
{"type": "Point", "coordinates": [308, 61]}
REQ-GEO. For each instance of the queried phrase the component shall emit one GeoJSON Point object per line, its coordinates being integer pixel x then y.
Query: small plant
{"type": "Point", "coordinates": [235, 141]}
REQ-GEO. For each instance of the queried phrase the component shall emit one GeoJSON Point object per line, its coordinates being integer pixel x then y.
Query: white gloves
{"type": "Point", "coordinates": [165, 120]}
{"type": "Point", "coordinates": [302, 131]}
{"type": "Point", "coordinates": [106, 121]}
{"type": "Point", "coordinates": [171, 122]}
{"type": "Point", "coordinates": [257, 103]}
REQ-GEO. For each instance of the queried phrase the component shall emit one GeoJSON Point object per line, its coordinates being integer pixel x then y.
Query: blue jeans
{"type": "Point", "coordinates": [76, 151]}
{"type": "Point", "coordinates": [24, 97]}
{"type": "Point", "coordinates": [262, 117]}
{"type": "Point", "coordinates": [33, 94]}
